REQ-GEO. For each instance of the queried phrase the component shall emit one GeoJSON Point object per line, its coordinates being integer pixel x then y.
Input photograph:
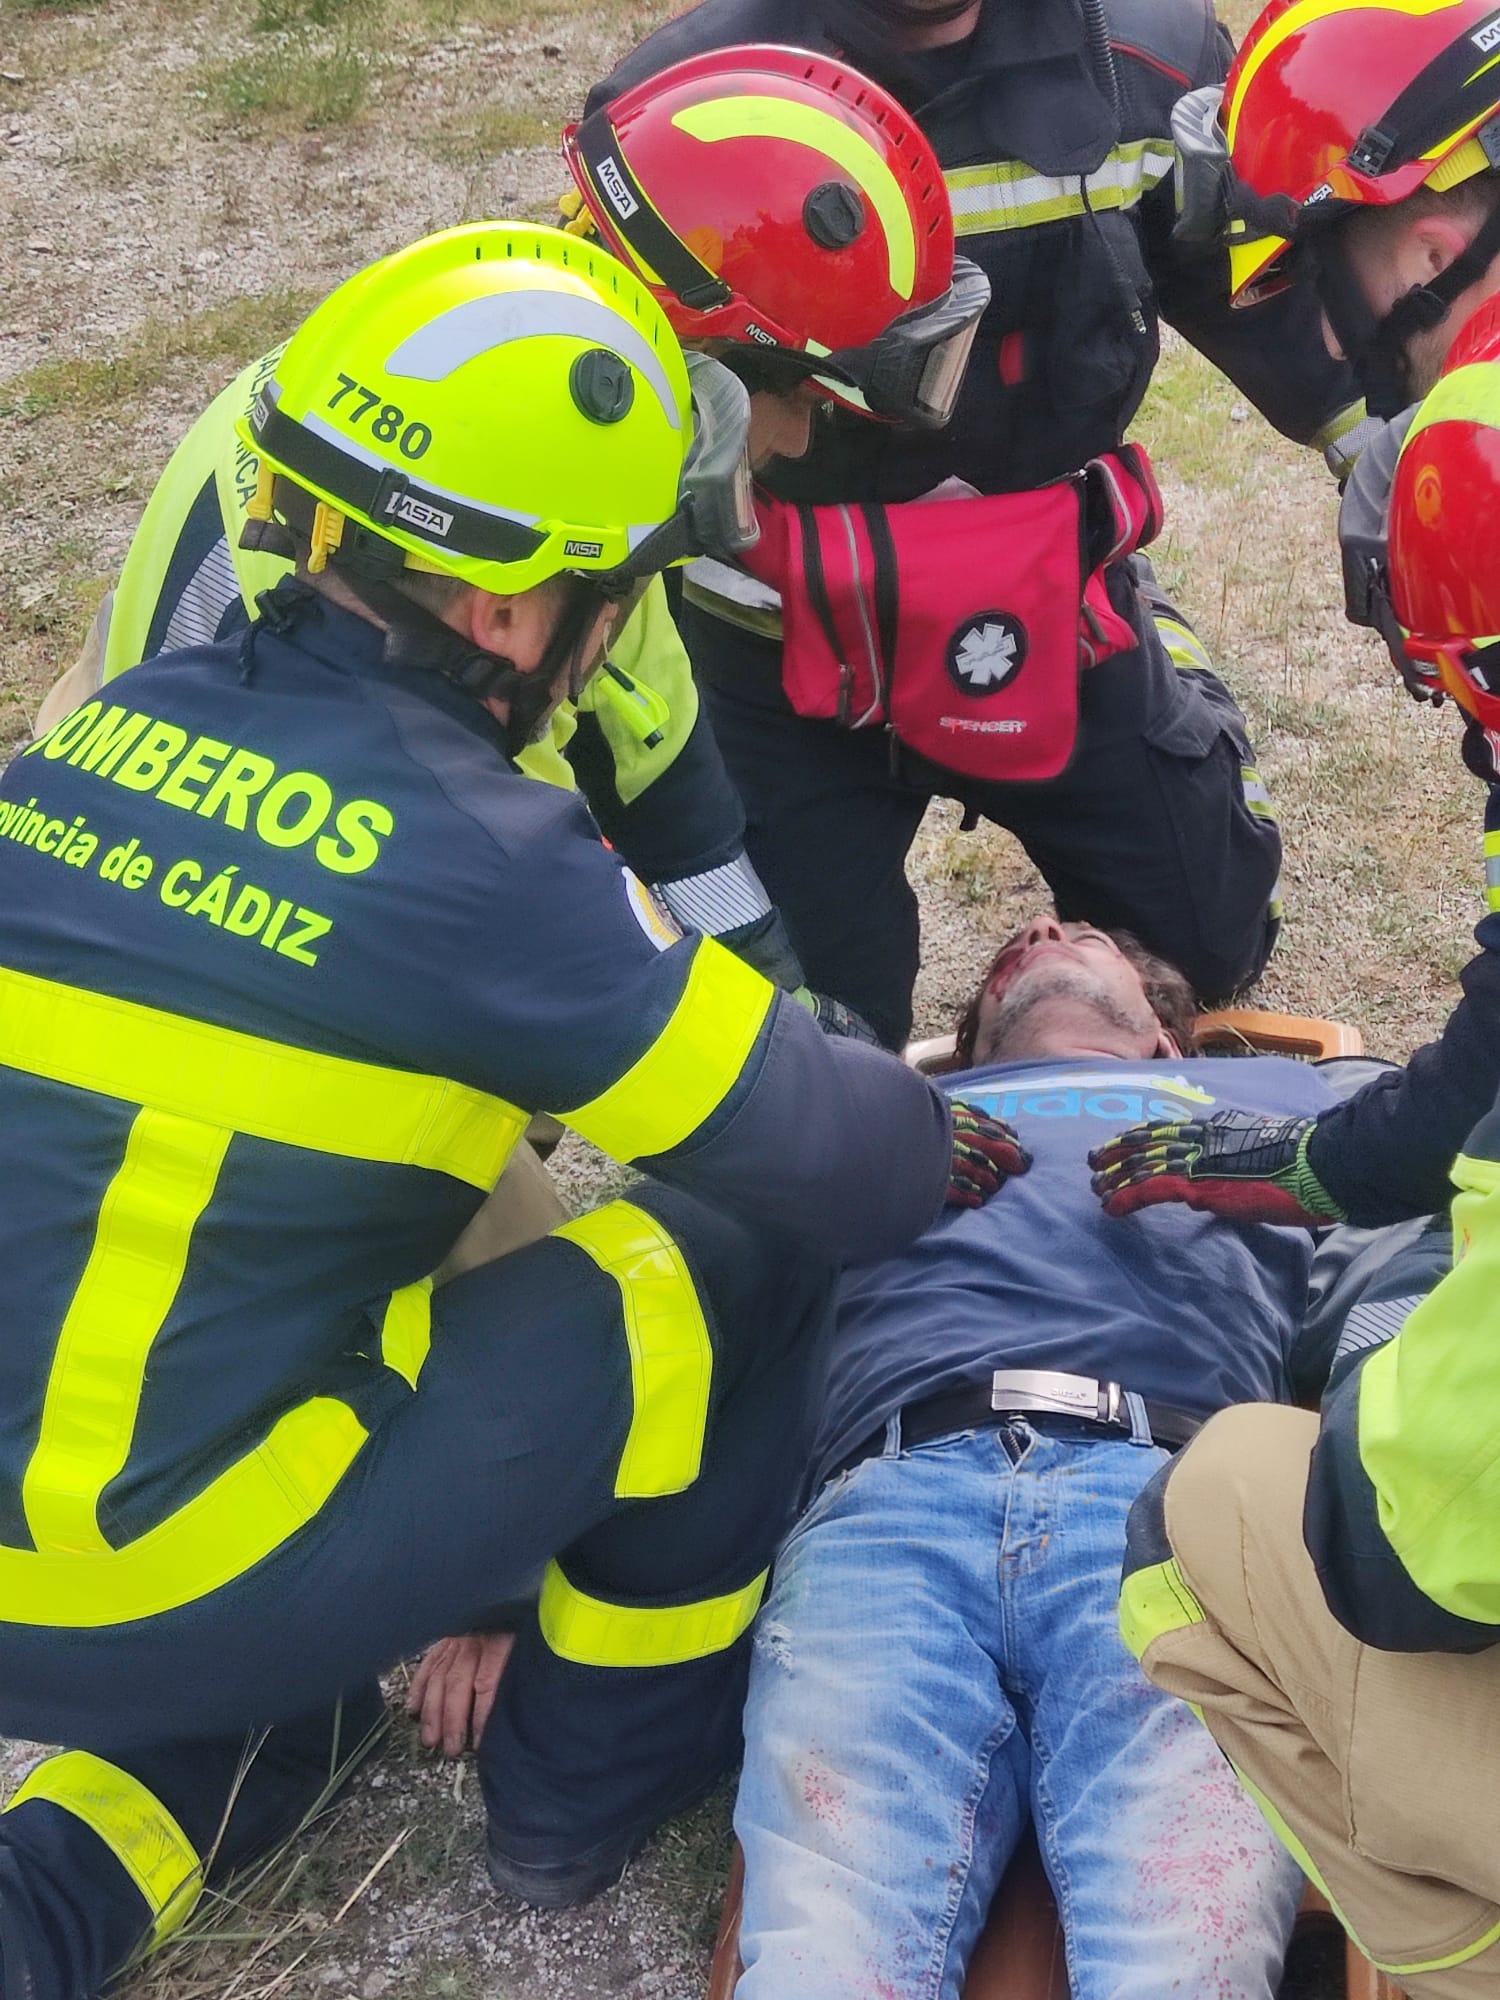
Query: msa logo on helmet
{"type": "Point", "coordinates": [420, 515]}
{"type": "Point", "coordinates": [589, 550]}
{"type": "Point", "coordinates": [1487, 37]}
{"type": "Point", "coordinates": [621, 200]}
{"type": "Point", "coordinates": [759, 333]}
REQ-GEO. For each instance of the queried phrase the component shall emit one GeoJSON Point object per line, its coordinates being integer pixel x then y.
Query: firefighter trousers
{"type": "Point", "coordinates": [621, 1408]}
{"type": "Point", "coordinates": [1379, 1770]}
{"type": "Point", "coordinates": [1160, 825]}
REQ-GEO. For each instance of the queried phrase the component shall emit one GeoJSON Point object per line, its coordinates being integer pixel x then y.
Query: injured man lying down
{"type": "Point", "coordinates": [938, 1662]}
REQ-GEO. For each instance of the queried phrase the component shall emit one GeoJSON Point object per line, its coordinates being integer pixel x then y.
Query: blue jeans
{"type": "Point", "coordinates": [938, 1662]}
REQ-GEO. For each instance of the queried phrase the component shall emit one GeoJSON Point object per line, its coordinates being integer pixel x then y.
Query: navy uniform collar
{"type": "Point", "coordinates": [1030, 93]}
{"type": "Point", "coordinates": [351, 645]}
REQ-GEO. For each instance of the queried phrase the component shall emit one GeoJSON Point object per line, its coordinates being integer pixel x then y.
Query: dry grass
{"type": "Point", "coordinates": [185, 215]}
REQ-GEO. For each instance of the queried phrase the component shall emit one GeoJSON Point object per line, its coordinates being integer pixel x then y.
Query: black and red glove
{"type": "Point", "coordinates": [986, 1153]}
{"type": "Point", "coordinates": [1233, 1164]}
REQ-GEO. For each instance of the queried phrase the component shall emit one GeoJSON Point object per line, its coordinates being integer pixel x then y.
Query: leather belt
{"type": "Point", "coordinates": [1094, 1406]}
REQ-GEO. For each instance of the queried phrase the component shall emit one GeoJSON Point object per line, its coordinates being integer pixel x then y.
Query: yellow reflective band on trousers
{"type": "Point", "coordinates": [690, 1068]}
{"type": "Point", "coordinates": [133, 1824]}
{"type": "Point", "coordinates": [1278, 1825]}
{"type": "Point", "coordinates": [266, 1090]}
{"type": "Point", "coordinates": [1007, 194]}
{"type": "Point", "coordinates": [197, 1087]}
{"type": "Point", "coordinates": [234, 1523]}
{"type": "Point", "coordinates": [1257, 796]}
{"type": "Point", "coordinates": [131, 1278]}
{"type": "Point", "coordinates": [406, 1330]}
{"type": "Point", "coordinates": [592, 1633]}
{"type": "Point", "coordinates": [671, 1357]}
{"type": "Point", "coordinates": [1492, 870]}
{"type": "Point", "coordinates": [1153, 1602]}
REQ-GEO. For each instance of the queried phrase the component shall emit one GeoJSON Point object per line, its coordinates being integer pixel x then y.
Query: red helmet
{"type": "Point", "coordinates": [1444, 535]}
{"type": "Point", "coordinates": [780, 201]}
{"type": "Point", "coordinates": [1334, 104]}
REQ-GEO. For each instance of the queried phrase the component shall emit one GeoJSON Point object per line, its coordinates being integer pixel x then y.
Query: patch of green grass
{"type": "Point", "coordinates": [475, 136]}
{"type": "Point", "coordinates": [1287, 715]}
{"type": "Point", "coordinates": [294, 82]}
{"type": "Point", "coordinates": [85, 387]}
{"type": "Point", "coordinates": [280, 17]}
{"type": "Point", "coordinates": [45, 7]}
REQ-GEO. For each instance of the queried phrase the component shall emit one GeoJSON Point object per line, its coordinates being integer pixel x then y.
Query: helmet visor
{"type": "Point", "coordinates": [1259, 267]}
{"type": "Point", "coordinates": [912, 373]}
{"type": "Point", "coordinates": [715, 513]}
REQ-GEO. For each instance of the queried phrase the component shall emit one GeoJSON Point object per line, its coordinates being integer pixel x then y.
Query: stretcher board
{"type": "Point", "coordinates": [1225, 1031]}
{"type": "Point", "coordinates": [1019, 1955]}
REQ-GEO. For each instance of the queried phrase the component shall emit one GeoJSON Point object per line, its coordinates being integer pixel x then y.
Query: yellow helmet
{"type": "Point", "coordinates": [500, 402]}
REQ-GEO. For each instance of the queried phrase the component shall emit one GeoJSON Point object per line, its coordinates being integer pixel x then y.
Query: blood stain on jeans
{"type": "Point", "coordinates": [822, 1793]}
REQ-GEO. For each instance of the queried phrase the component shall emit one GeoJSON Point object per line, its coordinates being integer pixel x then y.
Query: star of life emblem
{"type": "Point", "coordinates": [987, 652]}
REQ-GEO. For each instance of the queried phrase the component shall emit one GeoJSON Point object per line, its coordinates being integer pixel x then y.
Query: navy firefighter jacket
{"type": "Point", "coordinates": [289, 954]}
{"type": "Point", "coordinates": [1065, 200]}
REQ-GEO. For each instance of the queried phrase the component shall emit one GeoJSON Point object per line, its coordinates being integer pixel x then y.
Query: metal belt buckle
{"type": "Point", "coordinates": [1045, 1389]}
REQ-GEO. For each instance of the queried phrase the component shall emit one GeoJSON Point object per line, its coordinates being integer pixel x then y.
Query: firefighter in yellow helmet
{"type": "Point", "coordinates": [291, 953]}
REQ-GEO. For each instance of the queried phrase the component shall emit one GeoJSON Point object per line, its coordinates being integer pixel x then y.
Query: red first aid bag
{"type": "Point", "coordinates": [963, 624]}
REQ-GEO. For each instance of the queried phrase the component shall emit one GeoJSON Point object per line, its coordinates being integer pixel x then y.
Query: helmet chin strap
{"type": "Point", "coordinates": [370, 566]}
{"type": "Point", "coordinates": [1379, 350]}
{"type": "Point", "coordinates": [418, 639]}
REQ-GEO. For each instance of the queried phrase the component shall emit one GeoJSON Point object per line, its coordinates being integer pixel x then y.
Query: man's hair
{"type": "Point", "coordinates": [1168, 995]}
{"type": "Point", "coordinates": [431, 589]}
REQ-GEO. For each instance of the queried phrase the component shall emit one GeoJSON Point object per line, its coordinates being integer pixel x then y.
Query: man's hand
{"type": "Point", "coordinates": [986, 1152]}
{"type": "Point", "coordinates": [453, 1689]}
{"type": "Point", "coordinates": [1249, 1169]}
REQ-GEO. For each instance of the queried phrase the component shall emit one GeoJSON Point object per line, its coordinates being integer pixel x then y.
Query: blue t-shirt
{"type": "Point", "coordinates": [1181, 1307]}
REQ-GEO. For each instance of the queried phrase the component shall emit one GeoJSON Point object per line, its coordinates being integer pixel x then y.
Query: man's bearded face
{"type": "Point", "coordinates": [1048, 962]}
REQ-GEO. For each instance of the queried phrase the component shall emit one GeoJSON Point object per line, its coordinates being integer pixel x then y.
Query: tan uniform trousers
{"type": "Point", "coordinates": [74, 686]}
{"type": "Point", "coordinates": [523, 1208]}
{"type": "Point", "coordinates": [1383, 1768]}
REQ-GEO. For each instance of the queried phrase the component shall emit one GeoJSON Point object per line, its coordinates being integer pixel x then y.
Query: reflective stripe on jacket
{"type": "Point", "coordinates": [1068, 207]}
{"type": "Point", "coordinates": [289, 955]}
{"type": "Point", "coordinates": [1403, 1508]}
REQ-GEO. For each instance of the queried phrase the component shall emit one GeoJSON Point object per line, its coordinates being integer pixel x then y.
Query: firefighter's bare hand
{"type": "Point", "coordinates": [453, 1689]}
